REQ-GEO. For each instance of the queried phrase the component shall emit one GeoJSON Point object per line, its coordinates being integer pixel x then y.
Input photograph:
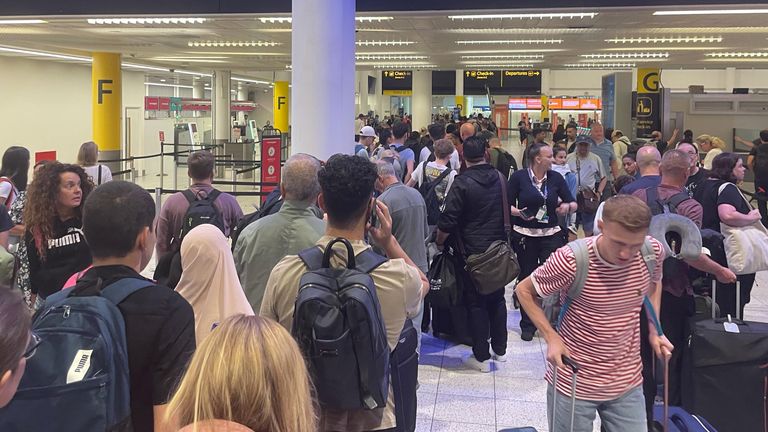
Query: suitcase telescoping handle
{"type": "Point", "coordinates": [575, 368]}
{"type": "Point", "coordinates": [738, 299]}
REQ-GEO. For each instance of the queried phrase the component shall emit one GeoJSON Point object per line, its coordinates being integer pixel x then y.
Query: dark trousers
{"type": "Point", "coordinates": [675, 312]}
{"type": "Point", "coordinates": [531, 253]}
{"type": "Point", "coordinates": [762, 204]}
{"type": "Point", "coordinates": [487, 315]}
{"type": "Point", "coordinates": [726, 295]}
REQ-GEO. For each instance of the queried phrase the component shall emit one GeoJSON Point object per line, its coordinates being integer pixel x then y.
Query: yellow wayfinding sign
{"type": "Point", "coordinates": [648, 80]}
{"type": "Point", "coordinates": [544, 107]}
{"type": "Point", "coordinates": [282, 107]}
{"type": "Point", "coordinates": [106, 93]}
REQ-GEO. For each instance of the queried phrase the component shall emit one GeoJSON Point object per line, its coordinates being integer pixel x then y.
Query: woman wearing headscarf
{"type": "Point", "coordinates": [209, 279]}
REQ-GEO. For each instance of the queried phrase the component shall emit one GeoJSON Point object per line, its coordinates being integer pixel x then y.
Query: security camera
{"type": "Point", "coordinates": [172, 70]}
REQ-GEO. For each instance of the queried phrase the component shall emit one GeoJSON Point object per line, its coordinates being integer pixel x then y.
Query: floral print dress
{"type": "Point", "coordinates": [22, 276]}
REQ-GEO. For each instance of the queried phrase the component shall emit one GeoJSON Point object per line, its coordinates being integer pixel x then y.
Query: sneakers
{"type": "Point", "coordinates": [499, 358]}
{"type": "Point", "coordinates": [472, 363]}
{"type": "Point", "coordinates": [573, 230]}
{"type": "Point", "coordinates": [527, 335]}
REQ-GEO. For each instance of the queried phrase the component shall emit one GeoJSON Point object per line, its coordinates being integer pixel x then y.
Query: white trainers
{"type": "Point", "coordinates": [472, 363]}
{"type": "Point", "coordinates": [499, 358]}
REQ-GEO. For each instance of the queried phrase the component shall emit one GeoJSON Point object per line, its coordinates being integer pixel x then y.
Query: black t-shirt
{"type": "Point", "coordinates": [707, 195]}
{"type": "Point", "coordinates": [696, 180]}
{"type": "Point", "coordinates": [760, 169]}
{"type": "Point", "coordinates": [160, 334]}
{"type": "Point", "coordinates": [66, 254]}
{"type": "Point", "coordinates": [6, 223]}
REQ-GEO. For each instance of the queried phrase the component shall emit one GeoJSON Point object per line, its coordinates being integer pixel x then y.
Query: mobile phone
{"type": "Point", "coordinates": [527, 214]}
{"type": "Point", "coordinates": [374, 218]}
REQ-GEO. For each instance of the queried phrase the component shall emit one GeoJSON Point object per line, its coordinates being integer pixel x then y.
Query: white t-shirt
{"type": "Point", "coordinates": [93, 173]}
{"type": "Point", "coordinates": [433, 172]}
{"type": "Point", "coordinates": [7, 189]}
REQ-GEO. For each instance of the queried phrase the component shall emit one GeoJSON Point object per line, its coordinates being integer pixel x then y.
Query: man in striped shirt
{"type": "Point", "coordinates": [601, 330]}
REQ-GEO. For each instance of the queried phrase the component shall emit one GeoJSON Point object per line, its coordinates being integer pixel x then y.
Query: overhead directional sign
{"type": "Point", "coordinates": [397, 82]}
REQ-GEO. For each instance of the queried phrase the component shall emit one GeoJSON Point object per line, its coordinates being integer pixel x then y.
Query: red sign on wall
{"type": "Point", "coordinates": [151, 103]}
{"type": "Point", "coordinates": [270, 162]}
{"type": "Point", "coordinates": [45, 155]}
{"type": "Point", "coordinates": [164, 104]}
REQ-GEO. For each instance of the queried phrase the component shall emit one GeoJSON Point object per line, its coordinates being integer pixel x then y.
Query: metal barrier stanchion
{"type": "Point", "coordinates": [175, 174]}
{"type": "Point", "coordinates": [133, 171]}
{"type": "Point", "coordinates": [162, 158]}
{"type": "Point", "coordinates": [158, 200]}
{"type": "Point", "coordinates": [234, 178]}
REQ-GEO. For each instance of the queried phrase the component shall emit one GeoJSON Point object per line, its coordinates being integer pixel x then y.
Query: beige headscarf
{"type": "Point", "coordinates": [209, 280]}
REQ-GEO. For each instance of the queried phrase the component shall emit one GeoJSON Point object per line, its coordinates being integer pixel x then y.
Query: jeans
{"type": "Point", "coordinates": [487, 315]}
{"type": "Point", "coordinates": [623, 414]}
{"type": "Point", "coordinates": [675, 312]}
{"type": "Point", "coordinates": [587, 220]}
{"type": "Point", "coordinates": [531, 253]}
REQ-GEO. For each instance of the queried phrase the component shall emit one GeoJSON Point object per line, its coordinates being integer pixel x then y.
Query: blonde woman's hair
{"type": "Point", "coordinates": [250, 371]}
{"type": "Point", "coordinates": [88, 154]}
{"type": "Point", "coordinates": [718, 143]}
{"type": "Point", "coordinates": [703, 139]}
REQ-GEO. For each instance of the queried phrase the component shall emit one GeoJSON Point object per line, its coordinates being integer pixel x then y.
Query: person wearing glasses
{"type": "Point", "coordinates": [17, 343]}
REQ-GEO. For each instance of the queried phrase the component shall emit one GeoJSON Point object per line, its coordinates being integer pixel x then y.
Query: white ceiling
{"type": "Point", "coordinates": [435, 38]}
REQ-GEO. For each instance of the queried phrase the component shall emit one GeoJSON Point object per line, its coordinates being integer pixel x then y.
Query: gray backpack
{"type": "Point", "coordinates": [338, 325]}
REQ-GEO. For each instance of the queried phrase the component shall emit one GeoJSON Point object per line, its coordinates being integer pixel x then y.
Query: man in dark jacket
{"type": "Point", "coordinates": [473, 216]}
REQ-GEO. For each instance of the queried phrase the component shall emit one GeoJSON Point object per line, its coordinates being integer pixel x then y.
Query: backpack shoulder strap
{"type": "Point", "coordinates": [652, 199]}
{"type": "Point", "coordinates": [189, 195]}
{"type": "Point", "coordinates": [580, 250]}
{"type": "Point", "coordinates": [675, 200]}
{"type": "Point", "coordinates": [439, 179]}
{"type": "Point", "coordinates": [649, 256]}
{"type": "Point", "coordinates": [368, 261]}
{"type": "Point", "coordinates": [213, 195]}
{"type": "Point", "coordinates": [312, 258]}
{"type": "Point", "coordinates": [120, 290]}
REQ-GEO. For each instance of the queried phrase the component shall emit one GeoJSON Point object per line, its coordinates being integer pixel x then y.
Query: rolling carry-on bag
{"type": "Point", "coordinates": [404, 366]}
{"type": "Point", "coordinates": [575, 367]}
{"type": "Point", "coordinates": [676, 419]}
{"type": "Point", "coordinates": [724, 372]}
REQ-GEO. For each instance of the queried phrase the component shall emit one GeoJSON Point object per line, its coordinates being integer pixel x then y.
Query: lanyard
{"type": "Point", "coordinates": [544, 191]}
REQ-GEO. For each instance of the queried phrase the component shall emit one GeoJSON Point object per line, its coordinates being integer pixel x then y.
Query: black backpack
{"type": "Point", "coordinates": [418, 147]}
{"type": "Point", "coordinates": [761, 161]}
{"type": "Point", "coordinates": [428, 192]}
{"type": "Point", "coordinates": [272, 205]}
{"type": "Point", "coordinates": [201, 211]}
{"type": "Point", "coordinates": [338, 325]}
{"type": "Point", "coordinates": [505, 163]}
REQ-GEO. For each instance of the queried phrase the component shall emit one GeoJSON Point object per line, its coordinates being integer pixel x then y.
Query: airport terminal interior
{"type": "Point", "coordinates": [151, 82]}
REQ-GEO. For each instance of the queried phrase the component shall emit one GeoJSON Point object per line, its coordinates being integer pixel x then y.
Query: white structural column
{"type": "Point", "coordinates": [323, 58]}
{"type": "Point", "coordinates": [242, 92]}
{"type": "Point", "coordinates": [221, 101]}
{"type": "Point", "coordinates": [361, 89]}
{"type": "Point", "coordinates": [730, 79]}
{"type": "Point", "coordinates": [422, 99]}
{"type": "Point", "coordinates": [198, 89]}
{"type": "Point", "coordinates": [546, 82]}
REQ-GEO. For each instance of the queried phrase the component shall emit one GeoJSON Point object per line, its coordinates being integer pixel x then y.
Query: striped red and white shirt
{"type": "Point", "coordinates": [602, 327]}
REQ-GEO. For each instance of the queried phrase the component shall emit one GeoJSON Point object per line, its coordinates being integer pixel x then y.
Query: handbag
{"type": "Point", "coordinates": [587, 199]}
{"type": "Point", "coordinates": [495, 268]}
{"type": "Point", "coordinates": [444, 289]}
{"type": "Point", "coordinates": [746, 247]}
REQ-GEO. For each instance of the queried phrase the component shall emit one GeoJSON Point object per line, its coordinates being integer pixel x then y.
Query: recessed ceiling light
{"type": "Point", "coordinates": [45, 54]}
{"type": "Point", "coordinates": [572, 15]}
{"type": "Point", "coordinates": [250, 80]}
{"type": "Point", "coordinates": [510, 41]}
{"type": "Point", "coordinates": [599, 65]}
{"type": "Point", "coordinates": [21, 21]}
{"type": "Point", "coordinates": [162, 80]}
{"type": "Point", "coordinates": [408, 65]}
{"type": "Point", "coordinates": [480, 62]}
{"type": "Point", "coordinates": [374, 18]}
{"type": "Point", "coordinates": [186, 72]}
{"type": "Point", "coordinates": [498, 65]}
{"type": "Point", "coordinates": [647, 55]}
{"type": "Point", "coordinates": [233, 44]}
{"type": "Point", "coordinates": [145, 67]}
{"type": "Point", "coordinates": [145, 21]}
{"type": "Point", "coordinates": [389, 57]}
{"type": "Point", "coordinates": [537, 50]}
{"type": "Point", "coordinates": [738, 54]}
{"type": "Point", "coordinates": [167, 85]}
{"type": "Point", "coordinates": [285, 19]}
{"type": "Point", "coordinates": [522, 30]}
{"type": "Point", "coordinates": [502, 56]}
{"type": "Point", "coordinates": [712, 12]}
{"type": "Point", "coordinates": [384, 43]}
{"type": "Point", "coordinates": [679, 39]}
{"type": "Point", "coordinates": [666, 48]}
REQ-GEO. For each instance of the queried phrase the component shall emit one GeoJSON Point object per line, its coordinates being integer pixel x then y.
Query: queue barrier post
{"type": "Point", "coordinates": [175, 173]}
{"type": "Point", "coordinates": [162, 158]}
{"type": "Point", "coordinates": [158, 199]}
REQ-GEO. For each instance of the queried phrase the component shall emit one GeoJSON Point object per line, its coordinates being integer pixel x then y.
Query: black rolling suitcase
{"type": "Point", "coordinates": [724, 372]}
{"type": "Point", "coordinates": [404, 367]}
{"type": "Point", "coordinates": [451, 323]}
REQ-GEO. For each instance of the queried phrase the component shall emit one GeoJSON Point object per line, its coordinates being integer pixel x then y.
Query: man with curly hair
{"type": "Point", "coordinates": [346, 184]}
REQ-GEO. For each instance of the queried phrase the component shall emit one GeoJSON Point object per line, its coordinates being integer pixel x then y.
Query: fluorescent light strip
{"type": "Point", "coordinates": [147, 20]}
{"type": "Point", "coordinates": [399, 65]}
{"type": "Point", "coordinates": [186, 72]}
{"type": "Point", "coordinates": [45, 54]}
{"type": "Point", "coordinates": [626, 59]}
{"type": "Point", "coordinates": [480, 62]}
{"type": "Point", "coordinates": [739, 60]}
{"type": "Point", "coordinates": [738, 54]}
{"type": "Point", "coordinates": [498, 65]}
{"type": "Point", "coordinates": [219, 44]}
{"type": "Point", "coordinates": [599, 65]}
{"type": "Point", "coordinates": [666, 48]}
{"type": "Point", "coordinates": [642, 55]}
{"type": "Point", "coordinates": [522, 30]}
{"type": "Point", "coordinates": [501, 56]}
{"type": "Point", "coordinates": [251, 80]}
{"type": "Point", "coordinates": [152, 68]}
{"type": "Point", "coordinates": [21, 21]}
{"type": "Point", "coordinates": [571, 15]}
{"type": "Point", "coordinates": [537, 50]}
{"type": "Point", "coordinates": [712, 12]}
{"type": "Point", "coordinates": [167, 85]}
{"type": "Point", "coordinates": [383, 43]}
{"type": "Point", "coordinates": [281, 20]}
{"type": "Point", "coordinates": [679, 39]}
{"type": "Point", "coordinates": [510, 41]}
{"type": "Point", "coordinates": [389, 57]}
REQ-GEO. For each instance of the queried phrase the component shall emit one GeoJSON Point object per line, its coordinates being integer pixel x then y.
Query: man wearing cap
{"type": "Point", "coordinates": [367, 139]}
{"type": "Point", "coordinates": [589, 170]}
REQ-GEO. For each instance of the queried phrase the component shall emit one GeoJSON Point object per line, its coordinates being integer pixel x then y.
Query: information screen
{"type": "Point", "coordinates": [475, 81]}
{"type": "Point", "coordinates": [520, 82]}
{"type": "Point", "coordinates": [397, 82]}
{"type": "Point", "coordinates": [444, 83]}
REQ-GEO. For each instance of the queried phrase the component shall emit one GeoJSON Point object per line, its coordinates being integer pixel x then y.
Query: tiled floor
{"type": "Point", "coordinates": [453, 398]}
